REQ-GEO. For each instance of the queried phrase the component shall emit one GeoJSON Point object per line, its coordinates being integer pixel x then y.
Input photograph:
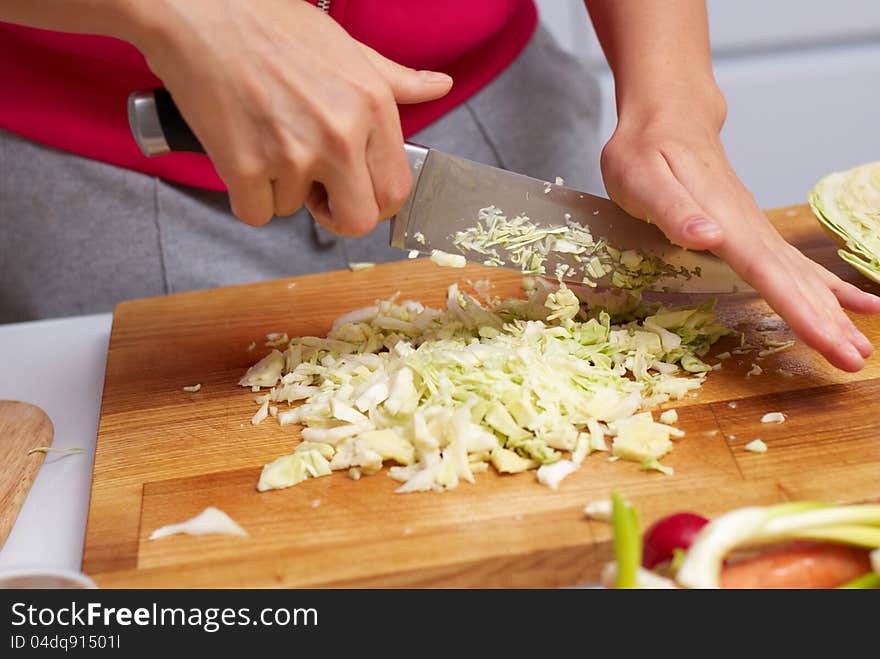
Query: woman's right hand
{"type": "Point", "coordinates": [289, 107]}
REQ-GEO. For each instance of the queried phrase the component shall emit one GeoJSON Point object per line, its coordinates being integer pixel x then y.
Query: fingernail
{"type": "Point", "coordinates": [435, 77]}
{"type": "Point", "coordinates": [862, 343]}
{"type": "Point", "coordinates": [703, 227]}
{"type": "Point", "coordinates": [853, 355]}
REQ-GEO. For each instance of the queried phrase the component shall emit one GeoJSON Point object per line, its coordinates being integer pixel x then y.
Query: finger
{"type": "Point", "coordinates": [815, 327]}
{"type": "Point", "coordinates": [859, 340]}
{"type": "Point", "coordinates": [350, 208]}
{"type": "Point", "coordinates": [316, 204]}
{"type": "Point", "coordinates": [289, 193]}
{"type": "Point", "coordinates": [851, 297]}
{"type": "Point", "coordinates": [848, 331]}
{"type": "Point", "coordinates": [808, 282]}
{"type": "Point", "coordinates": [652, 192]}
{"type": "Point", "coordinates": [390, 174]}
{"type": "Point", "coordinates": [409, 85]}
{"type": "Point", "coordinates": [251, 199]}
{"type": "Point", "coordinates": [387, 164]}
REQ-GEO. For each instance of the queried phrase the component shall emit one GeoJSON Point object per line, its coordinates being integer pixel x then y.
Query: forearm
{"type": "Point", "coordinates": [124, 19]}
{"type": "Point", "coordinates": [657, 50]}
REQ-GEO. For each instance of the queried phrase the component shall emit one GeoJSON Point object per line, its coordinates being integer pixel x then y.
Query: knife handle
{"type": "Point", "coordinates": [157, 125]}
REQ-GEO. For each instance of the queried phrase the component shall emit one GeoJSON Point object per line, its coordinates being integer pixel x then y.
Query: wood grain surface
{"type": "Point", "coordinates": [22, 427]}
{"type": "Point", "coordinates": [163, 455]}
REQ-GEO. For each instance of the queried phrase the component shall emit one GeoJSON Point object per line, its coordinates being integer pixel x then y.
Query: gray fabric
{"type": "Point", "coordinates": [78, 236]}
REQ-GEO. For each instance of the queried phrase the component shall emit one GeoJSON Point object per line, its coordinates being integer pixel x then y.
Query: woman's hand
{"type": "Point", "coordinates": [288, 106]}
{"type": "Point", "coordinates": [667, 164]}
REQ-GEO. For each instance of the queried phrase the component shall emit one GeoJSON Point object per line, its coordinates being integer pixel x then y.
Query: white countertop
{"type": "Point", "coordinates": [57, 365]}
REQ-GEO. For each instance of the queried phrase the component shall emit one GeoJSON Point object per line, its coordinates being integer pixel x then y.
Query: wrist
{"type": "Point", "coordinates": [147, 24]}
{"type": "Point", "coordinates": [696, 97]}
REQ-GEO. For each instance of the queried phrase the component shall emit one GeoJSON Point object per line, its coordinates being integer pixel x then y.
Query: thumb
{"type": "Point", "coordinates": [409, 85]}
{"type": "Point", "coordinates": [654, 193]}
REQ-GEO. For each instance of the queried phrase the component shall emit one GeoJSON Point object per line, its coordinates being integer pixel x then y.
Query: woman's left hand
{"type": "Point", "coordinates": [666, 164]}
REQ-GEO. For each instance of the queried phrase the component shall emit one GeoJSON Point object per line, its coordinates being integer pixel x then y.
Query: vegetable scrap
{"type": "Point", "coordinates": [361, 265]}
{"type": "Point", "coordinates": [446, 260]}
{"type": "Point", "coordinates": [599, 510]}
{"type": "Point", "coordinates": [211, 521]}
{"type": "Point", "coordinates": [193, 388]}
{"type": "Point", "coordinates": [756, 446]}
{"type": "Point", "coordinates": [774, 347]}
{"type": "Point", "coordinates": [669, 417]}
{"type": "Point", "coordinates": [51, 449]}
{"type": "Point", "coordinates": [274, 339]}
{"type": "Point", "coordinates": [773, 417]}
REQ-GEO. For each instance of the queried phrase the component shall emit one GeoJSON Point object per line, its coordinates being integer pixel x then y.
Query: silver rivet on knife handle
{"type": "Point", "coordinates": [157, 125]}
{"type": "Point", "coordinates": [143, 119]}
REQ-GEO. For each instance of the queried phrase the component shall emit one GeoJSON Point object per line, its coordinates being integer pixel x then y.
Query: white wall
{"type": "Point", "coordinates": [801, 78]}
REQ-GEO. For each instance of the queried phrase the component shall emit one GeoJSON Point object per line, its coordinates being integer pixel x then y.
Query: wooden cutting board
{"type": "Point", "coordinates": [163, 455]}
{"type": "Point", "coordinates": [22, 427]}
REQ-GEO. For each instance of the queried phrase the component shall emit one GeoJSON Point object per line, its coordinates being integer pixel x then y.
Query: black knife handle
{"type": "Point", "coordinates": [157, 125]}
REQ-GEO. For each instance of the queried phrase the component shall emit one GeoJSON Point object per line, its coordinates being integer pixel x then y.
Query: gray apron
{"type": "Point", "coordinates": [78, 236]}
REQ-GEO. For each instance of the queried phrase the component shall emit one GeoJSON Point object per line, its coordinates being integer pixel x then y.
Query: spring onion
{"type": "Point", "coordinates": [627, 541]}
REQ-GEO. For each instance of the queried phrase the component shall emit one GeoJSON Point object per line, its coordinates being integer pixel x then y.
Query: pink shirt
{"type": "Point", "coordinates": [70, 91]}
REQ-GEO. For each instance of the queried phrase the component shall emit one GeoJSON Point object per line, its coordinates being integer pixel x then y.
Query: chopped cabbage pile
{"type": "Point", "coordinates": [848, 205]}
{"type": "Point", "coordinates": [444, 394]}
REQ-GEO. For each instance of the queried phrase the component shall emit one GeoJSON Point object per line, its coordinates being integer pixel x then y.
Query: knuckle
{"type": "Point", "coordinates": [370, 94]}
{"type": "Point", "coordinates": [286, 210]}
{"type": "Point", "coordinates": [376, 99]}
{"type": "Point", "coordinates": [396, 191]}
{"type": "Point", "coordinates": [339, 131]}
{"type": "Point", "coordinates": [358, 225]}
{"type": "Point", "coordinates": [291, 161]}
{"type": "Point", "coordinates": [253, 217]}
{"type": "Point", "coordinates": [250, 169]}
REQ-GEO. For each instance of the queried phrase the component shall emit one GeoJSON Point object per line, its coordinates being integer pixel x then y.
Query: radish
{"type": "Point", "coordinates": [668, 534]}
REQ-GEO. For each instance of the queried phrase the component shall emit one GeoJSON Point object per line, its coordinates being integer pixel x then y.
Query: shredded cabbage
{"type": "Point", "coordinates": [443, 394]}
{"type": "Point", "coordinates": [520, 242]}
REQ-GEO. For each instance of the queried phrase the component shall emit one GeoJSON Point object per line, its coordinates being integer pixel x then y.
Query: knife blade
{"type": "Point", "coordinates": [463, 207]}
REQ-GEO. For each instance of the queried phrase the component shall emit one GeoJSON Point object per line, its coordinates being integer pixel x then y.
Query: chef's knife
{"type": "Point", "coordinates": [449, 192]}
